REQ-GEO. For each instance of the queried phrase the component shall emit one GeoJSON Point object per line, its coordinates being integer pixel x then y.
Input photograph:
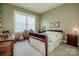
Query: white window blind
{"type": "Point", "coordinates": [24, 22]}
{"type": "Point", "coordinates": [31, 23]}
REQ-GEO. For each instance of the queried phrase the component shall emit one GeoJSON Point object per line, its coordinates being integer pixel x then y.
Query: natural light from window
{"type": "Point", "coordinates": [24, 22]}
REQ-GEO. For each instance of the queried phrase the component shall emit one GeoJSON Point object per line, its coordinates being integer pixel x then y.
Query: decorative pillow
{"type": "Point", "coordinates": [21, 37]}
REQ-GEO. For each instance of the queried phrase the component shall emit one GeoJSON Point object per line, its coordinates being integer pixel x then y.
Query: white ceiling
{"type": "Point", "coordinates": [38, 7]}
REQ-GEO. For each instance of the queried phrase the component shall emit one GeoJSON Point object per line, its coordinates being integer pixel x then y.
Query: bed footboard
{"type": "Point", "coordinates": [39, 42]}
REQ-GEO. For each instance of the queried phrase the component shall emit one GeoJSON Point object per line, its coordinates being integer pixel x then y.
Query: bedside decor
{"type": "Point", "coordinates": [75, 30]}
{"type": "Point", "coordinates": [72, 40]}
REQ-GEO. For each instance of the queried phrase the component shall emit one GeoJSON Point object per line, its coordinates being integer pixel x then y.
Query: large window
{"type": "Point", "coordinates": [24, 22]}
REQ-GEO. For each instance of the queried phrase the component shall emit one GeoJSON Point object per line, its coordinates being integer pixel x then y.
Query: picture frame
{"type": "Point", "coordinates": [55, 24]}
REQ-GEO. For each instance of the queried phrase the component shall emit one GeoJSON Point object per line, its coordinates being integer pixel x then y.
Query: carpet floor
{"type": "Point", "coordinates": [65, 50]}
{"type": "Point", "coordinates": [23, 48]}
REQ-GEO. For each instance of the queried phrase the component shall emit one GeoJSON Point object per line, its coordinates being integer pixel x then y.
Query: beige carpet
{"type": "Point", "coordinates": [65, 50]}
{"type": "Point", "coordinates": [23, 48]}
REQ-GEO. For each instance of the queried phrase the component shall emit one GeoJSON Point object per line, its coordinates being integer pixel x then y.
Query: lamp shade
{"type": "Point", "coordinates": [75, 30]}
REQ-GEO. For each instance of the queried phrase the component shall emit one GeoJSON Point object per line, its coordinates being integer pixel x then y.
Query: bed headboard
{"type": "Point", "coordinates": [56, 30]}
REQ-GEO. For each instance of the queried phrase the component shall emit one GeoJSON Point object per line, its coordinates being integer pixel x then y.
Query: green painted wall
{"type": "Point", "coordinates": [67, 14]}
{"type": "Point", "coordinates": [8, 16]}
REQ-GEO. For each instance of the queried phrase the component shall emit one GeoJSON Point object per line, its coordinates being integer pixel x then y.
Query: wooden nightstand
{"type": "Point", "coordinates": [72, 40]}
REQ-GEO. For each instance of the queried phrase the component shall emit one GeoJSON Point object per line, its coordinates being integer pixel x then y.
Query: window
{"type": "Point", "coordinates": [31, 23]}
{"type": "Point", "coordinates": [20, 23]}
{"type": "Point", "coordinates": [24, 22]}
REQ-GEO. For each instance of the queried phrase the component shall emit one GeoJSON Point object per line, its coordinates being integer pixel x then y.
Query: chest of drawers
{"type": "Point", "coordinates": [6, 48]}
{"type": "Point", "coordinates": [72, 39]}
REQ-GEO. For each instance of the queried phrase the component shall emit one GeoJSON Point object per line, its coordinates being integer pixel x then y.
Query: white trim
{"type": "Point", "coordinates": [19, 12]}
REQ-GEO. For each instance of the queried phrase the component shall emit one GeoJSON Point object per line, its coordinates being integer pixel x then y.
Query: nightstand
{"type": "Point", "coordinates": [72, 40]}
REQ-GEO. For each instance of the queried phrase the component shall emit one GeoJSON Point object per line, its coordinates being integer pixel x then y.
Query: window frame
{"type": "Point", "coordinates": [25, 14]}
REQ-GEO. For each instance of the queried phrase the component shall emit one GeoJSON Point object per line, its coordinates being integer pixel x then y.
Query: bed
{"type": "Point", "coordinates": [46, 42]}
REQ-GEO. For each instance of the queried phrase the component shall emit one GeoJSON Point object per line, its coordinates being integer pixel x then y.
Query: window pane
{"type": "Point", "coordinates": [20, 22]}
{"type": "Point", "coordinates": [31, 22]}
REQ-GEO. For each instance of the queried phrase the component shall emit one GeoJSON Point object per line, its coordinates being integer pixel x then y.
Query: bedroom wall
{"type": "Point", "coordinates": [8, 16]}
{"type": "Point", "coordinates": [67, 14]}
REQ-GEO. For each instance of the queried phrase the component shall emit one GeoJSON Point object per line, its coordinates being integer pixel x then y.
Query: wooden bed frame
{"type": "Point", "coordinates": [43, 38]}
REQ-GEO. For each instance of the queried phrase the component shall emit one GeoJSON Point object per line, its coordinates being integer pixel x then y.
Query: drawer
{"type": "Point", "coordinates": [5, 44]}
{"type": "Point", "coordinates": [5, 51]}
{"type": "Point", "coordinates": [6, 54]}
{"type": "Point", "coordinates": [6, 48]}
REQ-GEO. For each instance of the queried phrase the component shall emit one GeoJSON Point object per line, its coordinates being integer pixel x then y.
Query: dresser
{"type": "Point", "coordinates": [6, 47]}
{"type": "Point", "coordinates": [72, 39]}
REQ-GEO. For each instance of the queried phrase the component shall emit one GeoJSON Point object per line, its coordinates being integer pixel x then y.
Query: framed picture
{"type": "Point", "coordinates": [55, 24]}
